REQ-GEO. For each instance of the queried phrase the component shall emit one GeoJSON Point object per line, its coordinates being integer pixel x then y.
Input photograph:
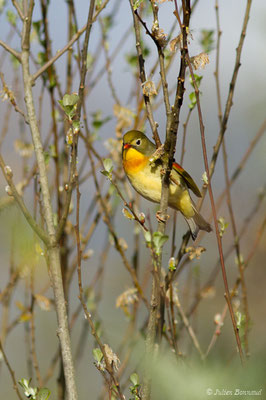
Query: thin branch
{"type": "Point", "coordinates": [19, 11]}
{"type": "Point", "coordinates": [53, 251]}
{"type": "Point", "coordinates": [189, 328]}
{"type": "Point", "coordinates": [12, 373]}
{"type": "Point", "coordinates": [218, 237]}
{"type": "Point", "coordinates": [11, 98]}
{"type": "Point", "coordinates": [157, 296]}
{"type": "Point", "coordinates": [229, 101]}
{"type": "Point", "coordinates": [143, 78]}
{"type": "Point", "coordinates": [59, 53]}
{"type": "Point", "coordinates": [228, 192]}
{"type": "Point", "coordinates": [7, 172]}
{"type": "Point", "coordinates": [108, 366]}
{"type": "Point", "coordinates": [10, 50]}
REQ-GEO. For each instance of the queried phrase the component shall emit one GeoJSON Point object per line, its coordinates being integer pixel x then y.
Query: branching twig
{"type": "Point", "coordinates": [67, 46]}
{"type": "Point", "coordinates": [53, 248]}
{"type": "Point", "coordinates": [10, 50]}
{"type": "Point", "coordinates": [19, 11]}
{"type": "Point", "coordinates": [7, 172]}
{"type": "Point", "coordinates": [143, 78]}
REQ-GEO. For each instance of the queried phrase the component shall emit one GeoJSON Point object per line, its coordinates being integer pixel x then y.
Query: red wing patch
{"type": "Point", "coordinates": [189, 181]}
{"type": "Point", "coordinates": [178, 167]}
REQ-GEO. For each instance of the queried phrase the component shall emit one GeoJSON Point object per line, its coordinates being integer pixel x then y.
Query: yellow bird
{"type": "Point", "coordinates": [146, 178]}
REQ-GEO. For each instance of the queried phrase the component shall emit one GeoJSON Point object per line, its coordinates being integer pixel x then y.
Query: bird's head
{"type": "Point", "coordinates": [138, 141]}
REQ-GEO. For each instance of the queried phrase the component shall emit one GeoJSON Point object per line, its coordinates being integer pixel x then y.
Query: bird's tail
{"type": "Point", "coordinates": [196, 223]}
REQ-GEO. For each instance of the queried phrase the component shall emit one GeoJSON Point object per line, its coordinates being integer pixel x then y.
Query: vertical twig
{"type": "Point", "coordinates": [53, 250]}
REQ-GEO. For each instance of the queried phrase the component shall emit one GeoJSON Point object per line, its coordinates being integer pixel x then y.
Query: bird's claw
{"type": "Point", "coordinates": [162, 218]}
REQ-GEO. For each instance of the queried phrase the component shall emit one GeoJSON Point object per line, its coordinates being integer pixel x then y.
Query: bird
{"type": "Point", "coordinates": [145, 175]}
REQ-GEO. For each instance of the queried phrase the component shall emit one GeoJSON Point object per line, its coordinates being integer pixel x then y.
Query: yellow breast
{"type": "Point", "coordinates": [134, 161]}
{"type": "Point", "coordinates": [146, 180]}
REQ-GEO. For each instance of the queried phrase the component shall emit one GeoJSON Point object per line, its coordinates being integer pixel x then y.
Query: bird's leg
{"type": "Point", "coordinates": [161, 218]}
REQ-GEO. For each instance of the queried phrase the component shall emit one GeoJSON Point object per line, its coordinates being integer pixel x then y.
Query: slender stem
{"type": "Point", "coordinates": [10, 50]}
{"type": "Point", "coordinates": [108, 366]}
{"type": "Point", "coordinates": [20, 202]}
{"type": "Point", "coordinates": [189, 329]}
{"type": "Point", "coordinates": [227, 181]}
{"type": "Point", "coordinates": [143, 78]}
{"type": "Point", "coordinates": [53, 249]}
{"type": "Point", "coordinates": [219, 241]}
{"type": "Point", "coordinates": [12, 373]}
{"type": "Point", "coordinates": [59, 53]}
{"type": "Point", "coordinates": [230, 96]}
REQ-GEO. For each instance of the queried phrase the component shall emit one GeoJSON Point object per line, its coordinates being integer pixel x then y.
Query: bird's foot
{"type": "Point", "coordinates": [162, 218]}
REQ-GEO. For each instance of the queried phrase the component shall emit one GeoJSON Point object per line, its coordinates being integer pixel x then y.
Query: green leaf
{"type": "Point", "coordinates": [52, 151]}
{"type": "Point", "coordinates": [193, 100]}
{"type": "Point", "coordinates": [47, 157]}
{"type": "Point", "coordinates": [192, 96]}
{"type": "Point", "coordinates": [172, 264]}
{"type": "Point", "coordinates": [207, 40]}
{"type": "Point", "coordinates": [158, 240]}
{"type": "Point", "coordinates": [107, 23]}
{"type": "Point", "coordinates": [222, 226]}
{"type": "Point", "coordinates": [134, 379]}
{"type": "Point", "coordinates": [98, 4]}
{"type": "Point", "coordinates": [76, 126]}
{"type": "Point", "coordinates": [137, 3]}
{"type": "Point", "coordinates": [198, 79]}
{"type": "Point", "coordinates": [105, 173]}
{"type": "Point", "coordinates": [11, 17]}
{"type": "Point", "coordinates": [14, 61]}
{"type": "Point", "coordinates": [108, 164]}
{"type": "Point", "coordinates": [97, 354]}
{"type": "Point", "coordinates": [90, 60]}
{"type": "Point", "coordinates": [70, 99]}
{"type": "Point", "coordinates": [98, 121]}
{"type": "Point", "coordinates": [147, 236]}
{"type": "Point", "coordinates": [41, 58]}
{"type": "Point", "coordinates": [29, 391]}
{"type": "Point", "coordinates": [127, 214]}
{"type": "Point", "coordinates": [37, 28]}
{"type": "Point", "coordinates": [43, 394]}
{"type": "Point", "coordinates": [2, 5]}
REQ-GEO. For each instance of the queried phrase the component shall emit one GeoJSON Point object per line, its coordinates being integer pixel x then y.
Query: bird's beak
{"type": "Point", "coordinates": [126, 146]}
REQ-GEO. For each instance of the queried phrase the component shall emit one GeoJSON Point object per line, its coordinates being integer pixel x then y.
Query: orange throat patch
{"type": "Point", "coordinates": [134, 161]}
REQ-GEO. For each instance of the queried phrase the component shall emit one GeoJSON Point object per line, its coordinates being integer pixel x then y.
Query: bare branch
{"type": "Point", "coordinates": [19, 200]}
{"type": "Point", "coordinates": [12, 373]}
{"type": "Point", "coordinates": [10, 50]}
{"type": "Point", "coordinates": [19, 11]}
{"type": "Point", "coordinates": [59, 53]}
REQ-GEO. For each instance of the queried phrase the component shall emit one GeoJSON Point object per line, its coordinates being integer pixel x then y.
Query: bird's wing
{"type": "Point", "coordinates": [189, 181]}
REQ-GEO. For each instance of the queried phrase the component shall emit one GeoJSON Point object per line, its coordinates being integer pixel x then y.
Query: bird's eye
{"type": "Point", "coordinates": [138, 142]}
